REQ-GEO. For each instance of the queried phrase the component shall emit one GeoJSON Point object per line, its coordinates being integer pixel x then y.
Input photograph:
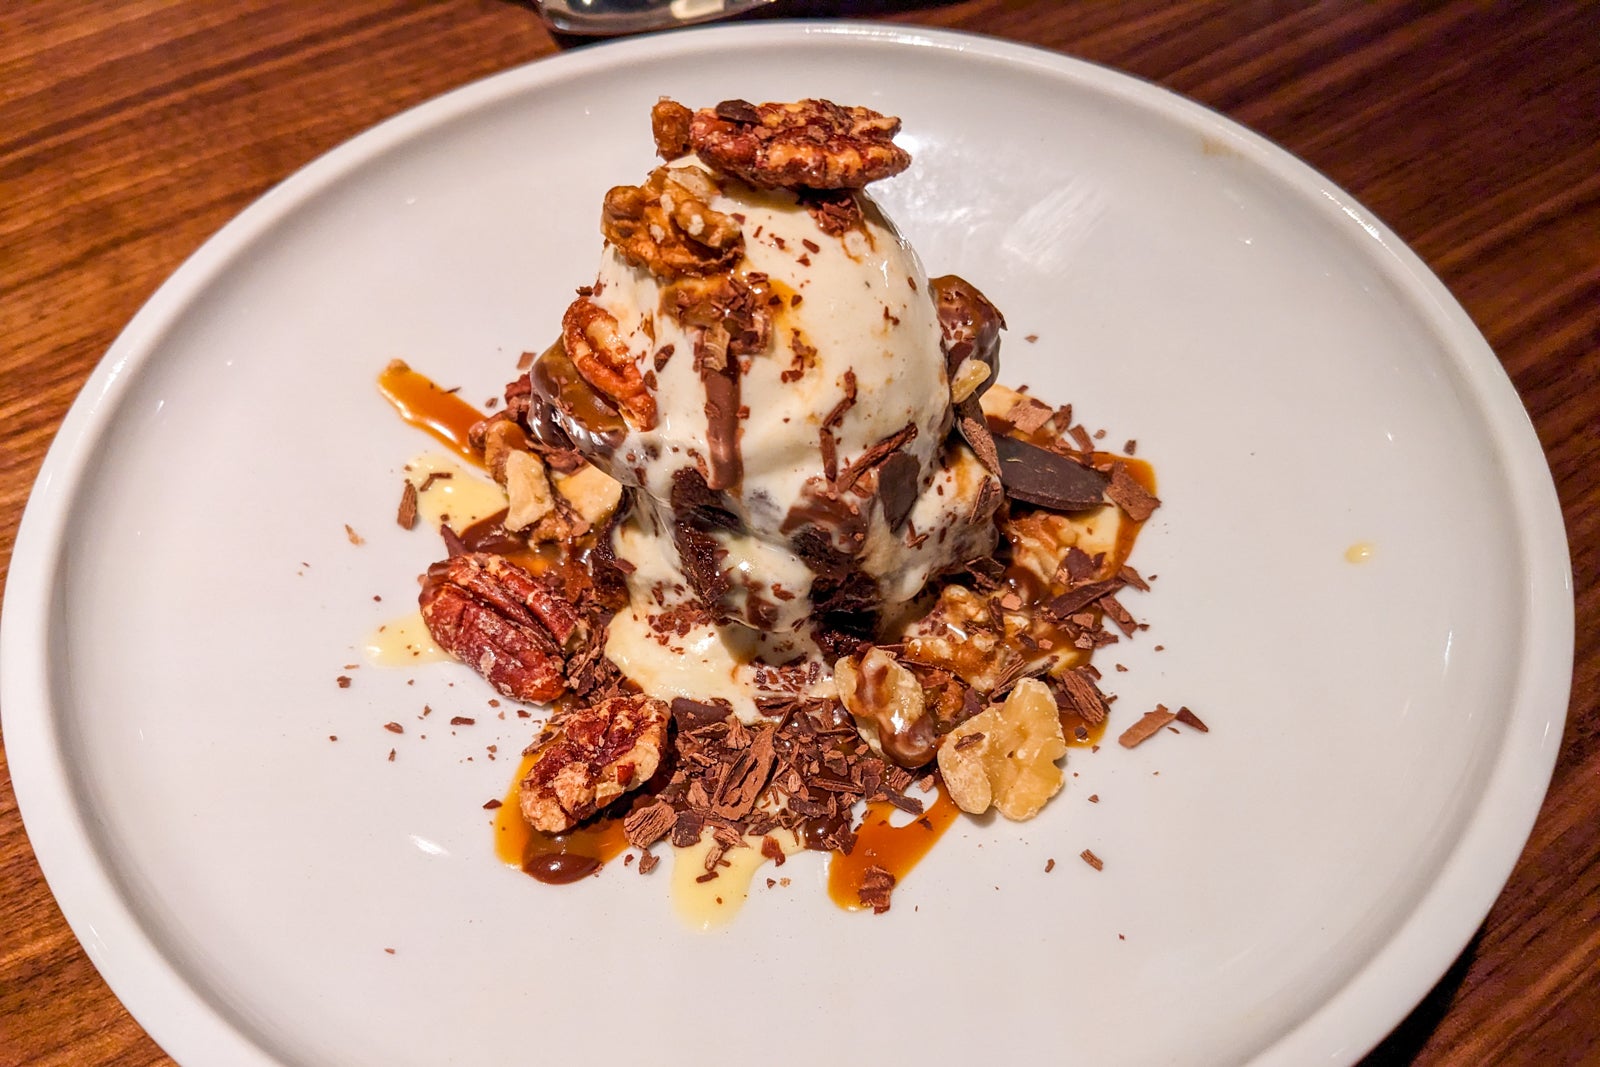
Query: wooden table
{"type": "Point", "coordinates": [130, 132]}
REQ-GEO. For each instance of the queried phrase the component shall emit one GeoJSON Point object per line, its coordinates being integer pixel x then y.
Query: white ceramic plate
{"type": "Point", "coordinates": [1277, 892]}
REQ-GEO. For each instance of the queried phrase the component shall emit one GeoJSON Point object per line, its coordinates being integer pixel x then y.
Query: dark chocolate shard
{"type": "Point", "coordinates": [693, 714]}
{"type": "Point", "coordinates": [897, 488]}
{"type": "Point", "coordinates": [1038, 476]}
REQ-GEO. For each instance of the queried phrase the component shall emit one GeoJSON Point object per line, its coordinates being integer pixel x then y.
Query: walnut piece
{"type": "Point", "coordinates": [594, 756]}
{"type": "Point", "coordinates": [667, 225]}
{"type": "Point", "coordinates": [669, 125]}
{"type": "Point", "coordinates": [593, 493]}
{"type": "Point", "coordinates": [510, 627]}
{"type": "Point", "coordinates": [1006, 756]}
{"type": "Point", "coordinates": [527, 490]}
{"type": "Point", "coordinates": [887, 703]}
{"type": "Point", "coordinates": [811, 144]}
{"type": "Point", "coordinates": [597, 350]}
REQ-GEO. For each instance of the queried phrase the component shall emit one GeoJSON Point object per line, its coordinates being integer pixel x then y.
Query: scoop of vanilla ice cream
{"type": "Point", "coordinates": [827, 480]}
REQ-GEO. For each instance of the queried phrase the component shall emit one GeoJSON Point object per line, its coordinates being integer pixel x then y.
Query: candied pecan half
{"type": "Point", "coordinates": [667, 225]}
{"type": "Point", "coordinates": [595, 755]}
{"type": "Point", "coordinates": [812, 144]}
{"type": "Point", "coordinates": [598, 352]}
{"type": "Point", "coordinates": [510, 627]}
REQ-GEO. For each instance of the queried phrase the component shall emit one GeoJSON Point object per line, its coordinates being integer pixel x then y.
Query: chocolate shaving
{"type": "Point", "coordinates": [1147, 727]}
{"type": "Point", "coordinates": [1084, 696]}
{"type": "Point", "coordinates": [1134, 499]}
{"type": "Point", "coordinates": [1078, 566]}
{"type": "Point", "coordinates": [773, 851]}
{"type": "Point", "coordinates": [1047, 479]}
{"type": "Point", "coordinates": [975, 430]}
{"type": "Point", "coordinates": [876, 454]}
{"type": "Point", "coordinates": [407, 516]}
{"type": "Point", "coordinates": [1092, 860]}
{"type": "Point", "coordinates": [645, 826]}
{"type": "Point", "coordinates": [835, 210]}
{"type": "Point", "coordinates": [1133, 578]}
{"type": "Point", "coordinates": [1119, 614]}
{"type": "Point", "coordinates": [1191, 720]}
{"type": "Point", "coordinates": [876, 887]}
{"type": "Point", "coordinates": [1028, 414]}
{"type": "Point", "coordinates": [1076, 599]}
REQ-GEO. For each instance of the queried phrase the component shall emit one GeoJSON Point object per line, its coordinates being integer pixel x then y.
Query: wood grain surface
{"type": "Point", "coordinates": [130, 132]}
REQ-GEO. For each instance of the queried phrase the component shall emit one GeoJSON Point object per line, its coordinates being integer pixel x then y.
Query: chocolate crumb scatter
{"type": "Point", "coordinates": [462, 720]}
{"type": "Point", "coordinates": [353, 537]}
{"type": "Point", "coordinates": [1049, 865]}
{"type": "Point", "coordinates": [344, 681]}
{"type": "Point", "coordinates": [490, 805]}
{"type": "Point", "coordinates": [1092, 860]}
{"type": "Point", "coordinates": [407, 515]}
{"type": "Point", "coordinates": [394, 728]}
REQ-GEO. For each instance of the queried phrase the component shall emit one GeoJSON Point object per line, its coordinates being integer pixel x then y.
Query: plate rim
{"type": "Point", "coordinates": [1377, 996]}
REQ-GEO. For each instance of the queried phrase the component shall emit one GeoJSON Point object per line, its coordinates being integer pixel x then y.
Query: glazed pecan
{"type": "Point", "coordinates": [598, 352]}
{"type": "Point", "coordinates": [667, 225]}
{"type": "Point", "coordinates": [594, 756]}
{"type": "Point", "coordinates": [812, 144]}
{"type": "Point", "coordinates": [511, 627]}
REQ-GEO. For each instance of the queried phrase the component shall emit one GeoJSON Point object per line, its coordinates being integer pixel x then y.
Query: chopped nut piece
{"type": "Point", "coordinates": [595, 755]}
{"type": "Point", "coordinates": [666, 226]}
{"type": "Point", "coordinates": [669, 124]}
{"type": "Point", "coordinates": [527, 491]}
{"type": "Point", "coordinates": [971, 374]}
{"type": "Point", "coordinates": [1013, 767]}
{"type": "Point", "coordinates": [593, 493]}
{"type": "Point", "coordinates": [887, 703]}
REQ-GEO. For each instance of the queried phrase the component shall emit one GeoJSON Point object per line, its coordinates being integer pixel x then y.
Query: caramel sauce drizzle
{"type": "Point", "coordinates": [896, 849]}
{"type": "Point", "coordinates": [441, 414]}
